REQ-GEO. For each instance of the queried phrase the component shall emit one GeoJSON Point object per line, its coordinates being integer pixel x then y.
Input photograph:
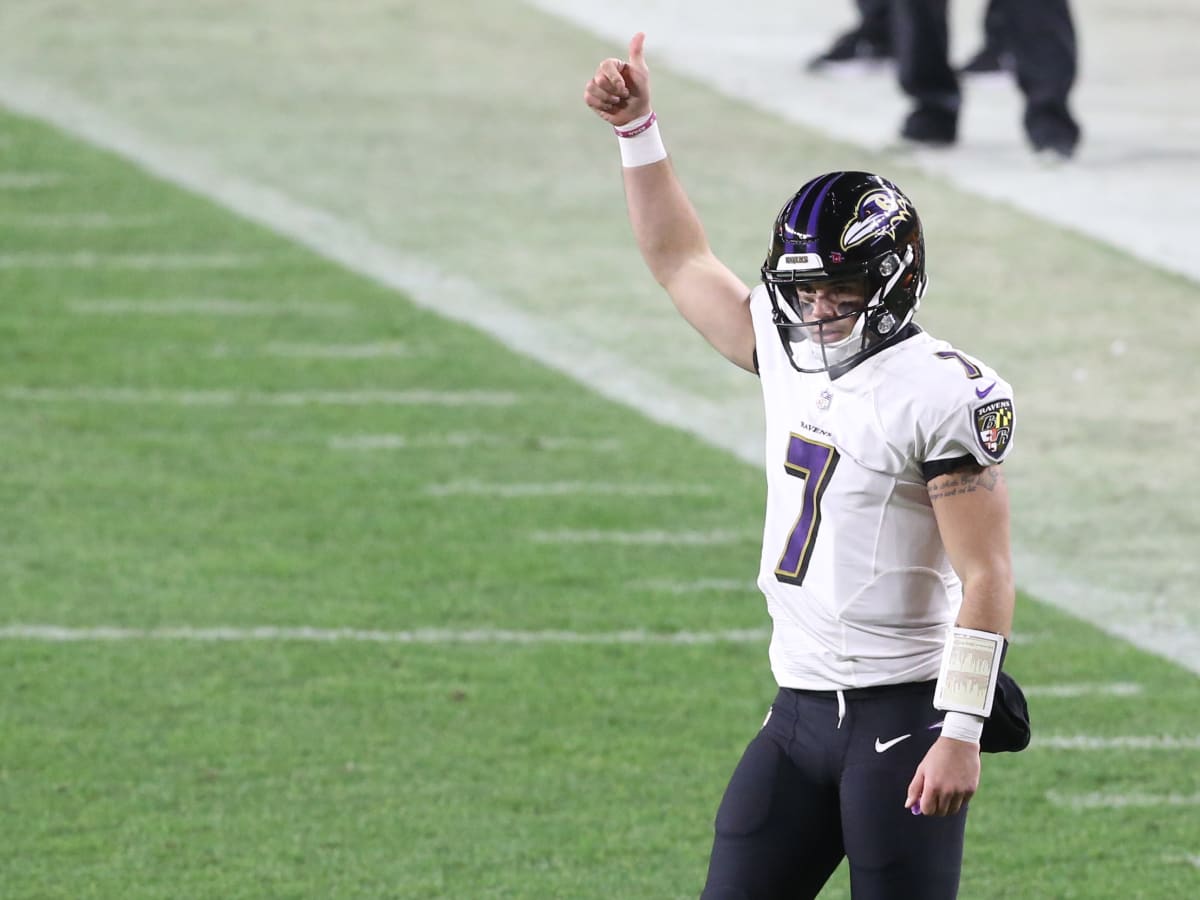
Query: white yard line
{"type": "Point", "coordinates": [1115, 689]}
{"type": "Point", "coordinates": [84, 221]}
{"type": "Point", "coordinates": [462, 440]}
{"type": "Point", "coordinates": [253, 398]}
{"type": "Point", "coordinates": [564, 489]}
{"type": "Point", "coordinates": [92, 259]}
{"type": "Point", "coordinates": [638, 538]}
{"type": "Point", "coordinates": [1121, 742]}
{"type": "Point", "coordinates": [338, 351]}
{"type": "Point", "coordinates": [696, 586]}
{"type": "Point", "coordinates": [105, 633]}
{"type": "Point", "coordinates": [28, 181]}
{"type": "Point", "coordinates": [1101, 800]}
{"type": "Point", "coordinates": [215, 306]}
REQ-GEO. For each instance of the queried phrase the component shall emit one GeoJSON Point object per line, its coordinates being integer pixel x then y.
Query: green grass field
{"type": "Point", "coordinates": [206, 427]}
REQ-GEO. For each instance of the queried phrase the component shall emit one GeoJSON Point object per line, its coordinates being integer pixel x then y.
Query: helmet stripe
{"type": "Point", "coordinates": [816, 207]}
{"type": "Point", "coordinates": [799, 205]}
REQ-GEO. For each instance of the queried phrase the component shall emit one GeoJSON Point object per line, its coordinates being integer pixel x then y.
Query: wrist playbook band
{"type": "Point", "coordinates": [640, 141]}
{"type": "Point", "coordinates": [970, 667]}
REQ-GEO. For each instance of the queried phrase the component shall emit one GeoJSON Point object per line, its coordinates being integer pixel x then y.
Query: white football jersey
{"type": "Point", "coordinates": [855, 575]}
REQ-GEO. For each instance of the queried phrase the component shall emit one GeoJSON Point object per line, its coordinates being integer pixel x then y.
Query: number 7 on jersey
{"type": "Point", "coordinates": [814, 462]}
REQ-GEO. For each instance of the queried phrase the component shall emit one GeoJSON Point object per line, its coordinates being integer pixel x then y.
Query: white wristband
{"type": "Point", "coordinates": [640, 141]}
{"type": "Point", "coordinates": [962, 727]}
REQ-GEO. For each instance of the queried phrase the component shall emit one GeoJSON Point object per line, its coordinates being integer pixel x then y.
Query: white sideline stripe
{"type": "Point", "coordinates": [89, 259]}
{"type": "Point", "coordinates": [466, 439]}
{"type": "Point", "coordinates": [452, 298]}
{"type": "Point", "coordinates": [205, 307]}
{"type": "Point", "coordinates": [1123, 742]}
{"type": "Point", "coordinates": [253, 398]}
{"type": "Point", "coordinates": [96, 221]}
{"type": "Point", "coordinates": [1116, 689]}
{"type": "Point", "coordinates": [337, 351]}
{"type": "Point", "coordinates": [680, 538]}
{"type": "Point", "coordinates": [1122, 801]}
{"type": "Point", "coordinates": [57, 634]}
{"type": "Point", "coordinates": [459, 300]}
{"type": "Point", "coordinates": [563, 489]}
{"type": "Point", "coordinates": [24, 181]}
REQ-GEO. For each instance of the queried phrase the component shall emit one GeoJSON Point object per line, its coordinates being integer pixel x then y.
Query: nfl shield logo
{"type": "Point", "coordinates": [825, 399]}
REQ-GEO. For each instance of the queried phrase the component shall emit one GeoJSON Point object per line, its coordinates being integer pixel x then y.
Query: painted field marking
{"type": "Point", "coordinates": [564, 489]}
{"type": "Point", "coordinates": [91, 221]}
{"type": "Point", "coordinates": [1115, 689]}
{"type": "Point", "coordinates": [697, 586]}
{"type": "Point", "coordinates": [649, 537]}
{"type": "Point", "coordinates": [1102, 800]}
{"type": "Point", "coordinates": [463, 440]}
{"type": "Point", "coordinates": [561, 349]}
{"type": "Point", "coordinates": [254, 398]}
{"type": "Point", "coordinates": [105, 633]}
{"type": "Point", "coordinates": [338, 351]}
{"type": "Point", "coordinates": [90, 259]}
{"type": "Point", "coordinates": [28, 181]}
{"type": "Point", "coordinates": [215, 306]}
{"type": "Point", "coordinates": [1120, 742]}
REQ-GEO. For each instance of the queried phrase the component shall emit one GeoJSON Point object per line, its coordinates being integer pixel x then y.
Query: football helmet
{"type": "Point", "coordinates": [857, 234]}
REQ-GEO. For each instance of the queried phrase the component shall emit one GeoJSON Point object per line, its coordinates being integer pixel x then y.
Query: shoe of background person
{"type": "Point", "coordinates": [929, 127]}
{"type": "Point", "coordinates": [989, 61]}
{"type": "Point", "coordinates": [1053, 133]}
{"type": "Point", "coordinates": [851, 51]}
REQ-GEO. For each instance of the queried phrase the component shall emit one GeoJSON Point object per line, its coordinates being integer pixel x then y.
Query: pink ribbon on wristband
{"type": "Point", "coordinates": [634, 132]}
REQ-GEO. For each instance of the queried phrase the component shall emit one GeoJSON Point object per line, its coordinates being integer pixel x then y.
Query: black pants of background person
{"type": "Point", "coordinates": [876, 21]}
{"type": "Point", "coordinates": [1041, 37]}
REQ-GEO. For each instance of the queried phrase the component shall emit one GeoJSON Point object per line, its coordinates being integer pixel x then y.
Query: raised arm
{"type": "Point", "coordinates": [668, 230]}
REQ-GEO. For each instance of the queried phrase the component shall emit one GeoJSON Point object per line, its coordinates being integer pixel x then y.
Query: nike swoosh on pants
{"type": "Point", "coordinates": [881, 746]}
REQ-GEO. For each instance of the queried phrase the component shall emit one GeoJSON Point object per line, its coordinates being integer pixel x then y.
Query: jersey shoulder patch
{"type": "Point", "coordinates": [994, 426]}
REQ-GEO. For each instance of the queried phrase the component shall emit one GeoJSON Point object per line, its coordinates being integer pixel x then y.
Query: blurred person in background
{"type": "Point", "coordinates": [1039, 34]}
{"type": "Point", "coordinates": [993, 57]}
{"type": "Point", "coordinates": [869, 43]}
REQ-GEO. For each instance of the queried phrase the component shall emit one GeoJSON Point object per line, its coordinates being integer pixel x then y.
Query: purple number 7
{"type": "Point", "coordinates": [814, 462]}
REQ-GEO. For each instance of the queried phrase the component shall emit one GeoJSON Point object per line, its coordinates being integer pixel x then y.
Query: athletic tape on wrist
{"type": "Point", "coordinates": [970, 666]}
{"type": "Point", "coordinates": [963, 727]}
{"type": "Point", "coordinates": [640, 141]}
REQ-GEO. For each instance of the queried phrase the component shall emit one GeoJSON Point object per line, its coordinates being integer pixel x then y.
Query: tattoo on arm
{"type": "Point", "coordinates": [966, 480]}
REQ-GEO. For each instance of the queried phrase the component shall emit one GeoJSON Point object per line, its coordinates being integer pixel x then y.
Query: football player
{"type": "Point", "coordinates": [885, 560]}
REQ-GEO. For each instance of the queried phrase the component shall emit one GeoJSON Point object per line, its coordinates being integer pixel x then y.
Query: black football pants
{"type": "Point", "coordinates": [810, 790]}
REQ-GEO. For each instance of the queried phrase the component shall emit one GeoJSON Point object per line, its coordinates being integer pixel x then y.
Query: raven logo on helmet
{"type": "Point", "coordinates": [880, 212]}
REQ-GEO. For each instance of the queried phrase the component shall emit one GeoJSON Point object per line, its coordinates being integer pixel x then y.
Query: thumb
{"type": "Point", "coordinates": [637, 56]}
